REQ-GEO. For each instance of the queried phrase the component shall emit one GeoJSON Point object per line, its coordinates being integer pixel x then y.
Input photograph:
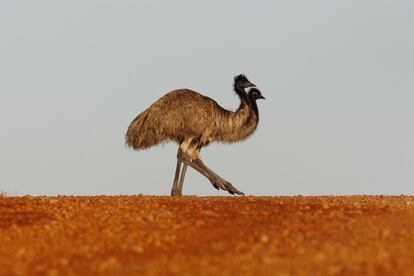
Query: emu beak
{"type": "Point", "coordinates": [249, 84]}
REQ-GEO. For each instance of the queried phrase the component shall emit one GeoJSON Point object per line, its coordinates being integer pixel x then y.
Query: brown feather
{"type": "Point", "coordinates": [186, 116]}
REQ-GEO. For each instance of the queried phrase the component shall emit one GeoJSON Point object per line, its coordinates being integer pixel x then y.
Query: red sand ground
{"type": "Point", "coordinates": [137, 235]}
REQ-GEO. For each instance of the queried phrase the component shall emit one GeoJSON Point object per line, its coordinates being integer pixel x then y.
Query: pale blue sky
{"type": "Point", "coordinates": [338, 77]}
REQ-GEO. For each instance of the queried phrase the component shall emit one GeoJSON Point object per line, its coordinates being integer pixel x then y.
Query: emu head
{"type": "Point", "coordinates": [255, 94]}
{"type": "Point", "coordinates": [241, 82]}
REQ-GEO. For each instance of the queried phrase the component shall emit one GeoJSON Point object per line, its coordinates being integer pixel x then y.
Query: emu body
{"type": "Point", "coordinates": [194, 121]}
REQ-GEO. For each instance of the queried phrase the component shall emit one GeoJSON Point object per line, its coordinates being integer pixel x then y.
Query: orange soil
{"type": "Point", "coordinates": [137, 235]}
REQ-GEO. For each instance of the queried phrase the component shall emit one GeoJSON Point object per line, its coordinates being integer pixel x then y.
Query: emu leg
{"type": "Point", "coordinates": [216, 180]}
{"type": "Point", "coordinates": [182, 176]}
{"type": "Point", "coordinates": [175, 191]}
{"type": "Point", "coordinates": [228, 186]}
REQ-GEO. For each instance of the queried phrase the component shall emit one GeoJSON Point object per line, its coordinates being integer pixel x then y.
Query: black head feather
{"type": "Point", "coordinates": [240, 78]}
{"type": "Point", "coordinates": [241, 82]}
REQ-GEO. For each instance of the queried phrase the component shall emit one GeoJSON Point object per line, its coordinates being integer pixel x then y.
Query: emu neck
{"type": "Point", "coordinates": [238, 125]}
{"type": "Point", "coordinates": [242, 94]}
{"type": "Point", "coordinates": [254, 107]}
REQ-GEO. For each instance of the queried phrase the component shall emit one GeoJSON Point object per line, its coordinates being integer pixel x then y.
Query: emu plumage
{"type": "Point", "coordinates": [194, 121]}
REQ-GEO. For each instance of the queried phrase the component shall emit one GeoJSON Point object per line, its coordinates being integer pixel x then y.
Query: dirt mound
{"type": "Point", "coordinates": [136, 235]}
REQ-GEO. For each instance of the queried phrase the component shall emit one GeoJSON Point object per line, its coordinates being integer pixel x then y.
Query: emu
{"type": "Point", "coordinates": [194, 121]}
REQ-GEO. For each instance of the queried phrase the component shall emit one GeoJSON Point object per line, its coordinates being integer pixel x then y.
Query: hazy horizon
{"type": "Point", "coordinates": [337, 77]}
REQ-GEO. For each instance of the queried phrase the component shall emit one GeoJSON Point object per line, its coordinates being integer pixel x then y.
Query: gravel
{"type": "Point", "coordinates": [156, 235]}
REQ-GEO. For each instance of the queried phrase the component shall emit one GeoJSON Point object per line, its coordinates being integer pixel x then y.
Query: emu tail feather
{"type": "Point", "coordinates": [144, 132]}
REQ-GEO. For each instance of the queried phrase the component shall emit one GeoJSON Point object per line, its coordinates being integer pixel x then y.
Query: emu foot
{"type": "Point", "coordinates": [175, 193]}
{"type": "Point", "coordinates": [226, 186]}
